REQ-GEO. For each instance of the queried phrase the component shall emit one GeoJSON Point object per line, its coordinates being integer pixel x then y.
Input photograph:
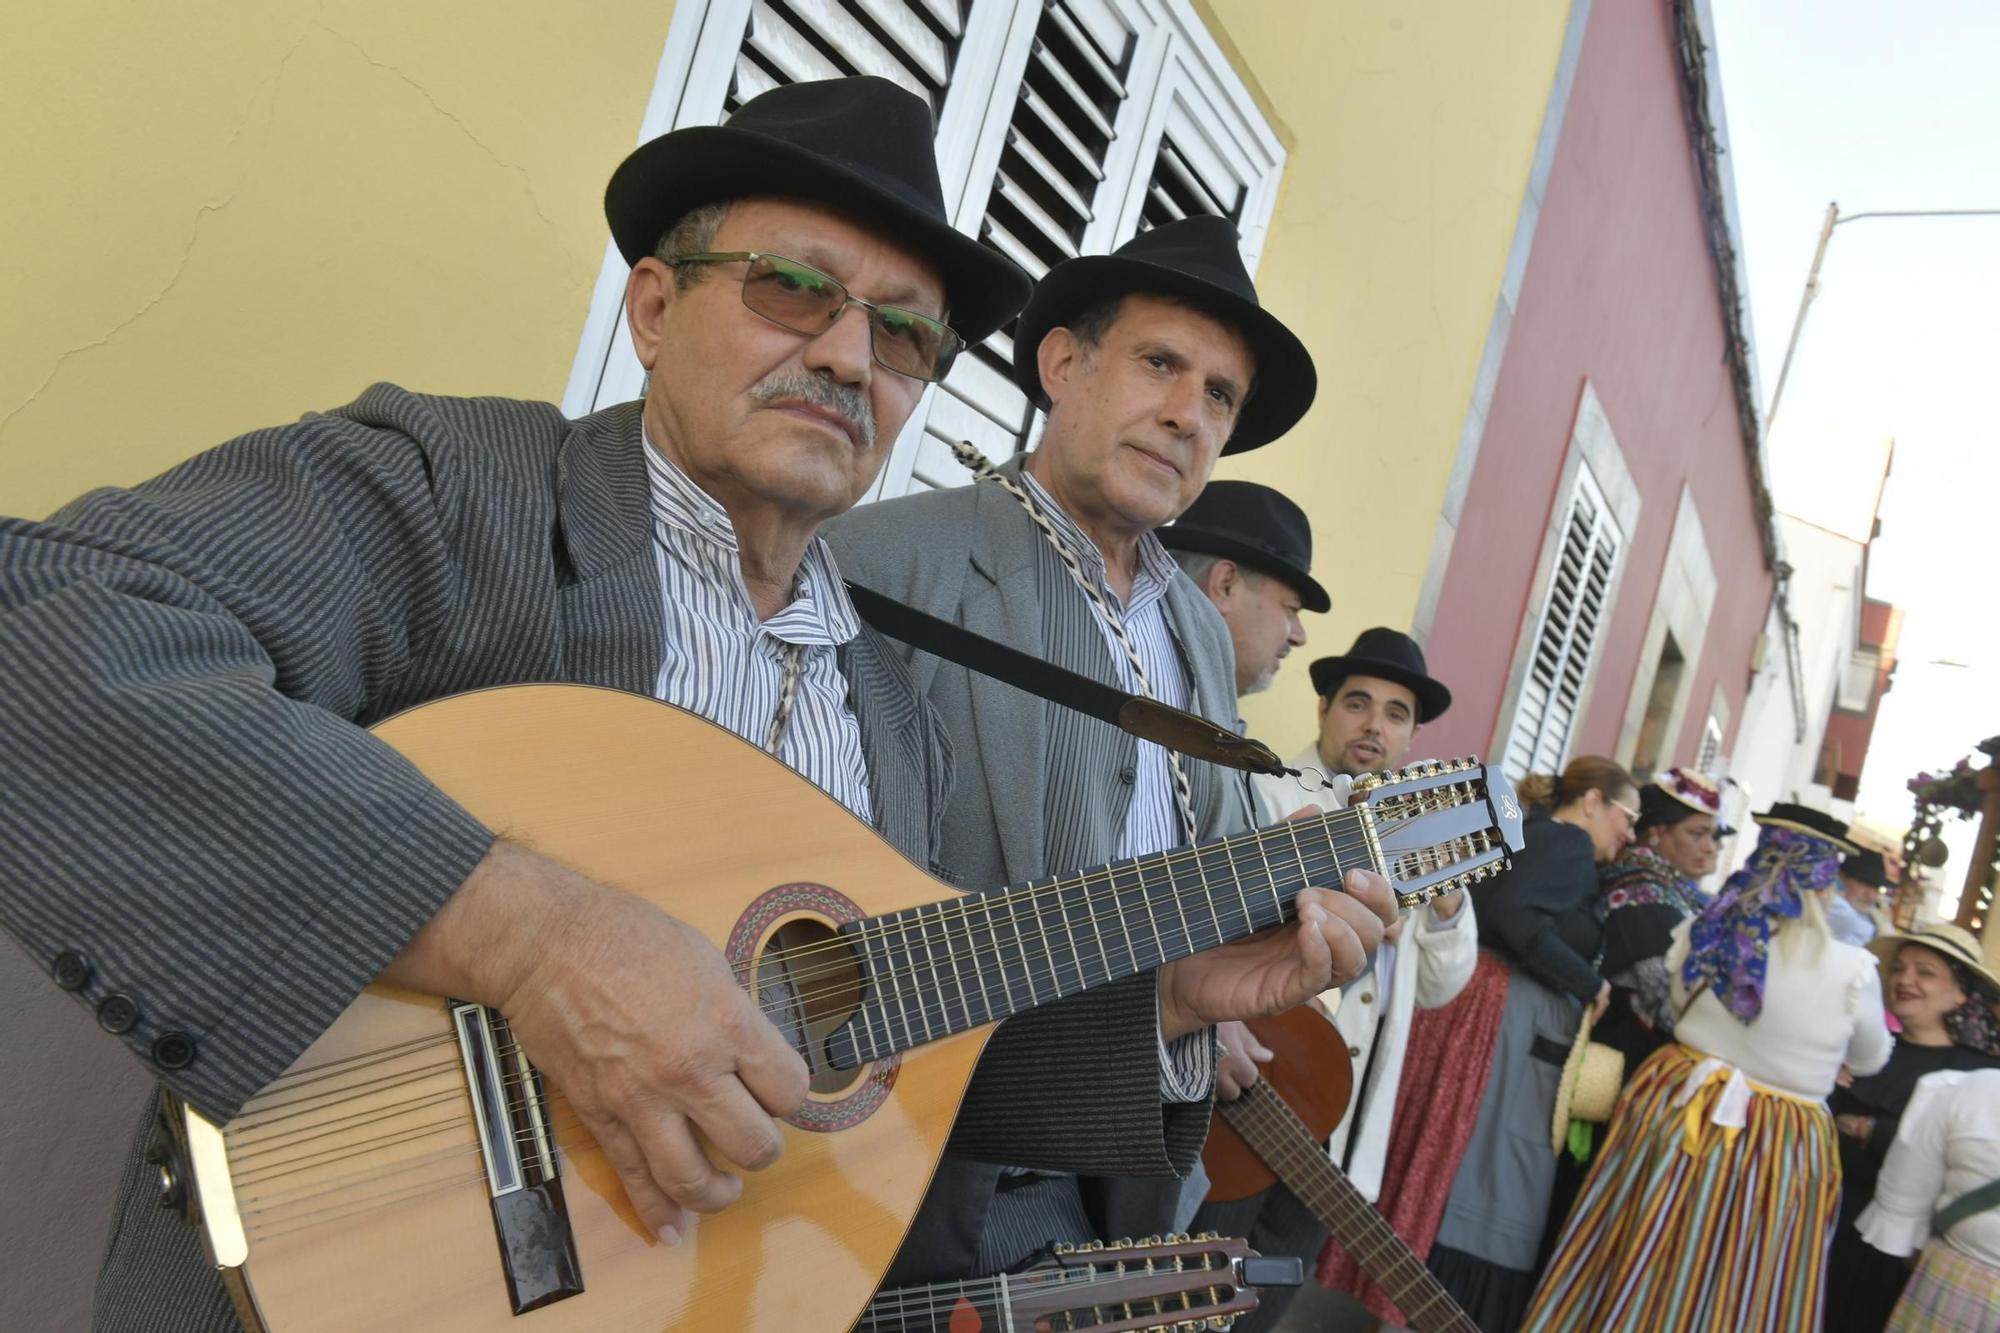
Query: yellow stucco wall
{"type": "Point", "coordinates": [222, 213]}
{"type": "Point", "coordinates": [1411, 129]}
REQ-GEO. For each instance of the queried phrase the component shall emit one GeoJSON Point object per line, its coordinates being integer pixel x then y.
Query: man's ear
{"type": "Point", "coordinates": [649, 294]}
{"type": "Point", "coordinates": [1222, 580]}
{"type": "Point", "coordinates": [1056, 360]}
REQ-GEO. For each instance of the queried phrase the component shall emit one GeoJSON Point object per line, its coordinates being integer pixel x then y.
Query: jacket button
{"type": "Point", "coordinates": [1128, 775]}
{"type": "Point", "coordinates": [1354, 1051]}
{"type": "Point", "coordinates": [70, 969]}
{"type": "Point", "coordinates": [1368, 997]}
{"type": "Point", "coordinates": [117, 1014]}
{"type": "Point", "coordinates": [173, 1050]}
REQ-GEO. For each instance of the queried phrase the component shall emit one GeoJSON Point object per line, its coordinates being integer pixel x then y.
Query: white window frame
{"type": "Point", "coordinates": [1594, 461]}
{"type": "Point", "coordinates": [1180, 82]}
{"type": "Point", "coordinates": [1572, 653]}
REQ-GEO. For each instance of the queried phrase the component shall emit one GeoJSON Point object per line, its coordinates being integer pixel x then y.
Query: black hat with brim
{"type": "Point", "coordinates": [1389, 655]}
{"type": "Point", "coordinates": [1255, 526]}
{"type": "Point", "coordinates": [1805, 819]}
{"type": "Point", "coordinates": [1198, 260]}
{"type": "Point", "coordinates": [1867, 867]}
{"type": "Point", "coordinates": [864, 146]}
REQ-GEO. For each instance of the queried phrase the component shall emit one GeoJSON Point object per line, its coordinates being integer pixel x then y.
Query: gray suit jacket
{"type": "Point", "coordinates": [190, 805]}
{"type": "Point", "coordinates": [1084, 1072]}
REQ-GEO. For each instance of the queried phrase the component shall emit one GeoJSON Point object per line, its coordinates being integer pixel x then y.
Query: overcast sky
{"type": "Point", "coordinates": [1884, 105]}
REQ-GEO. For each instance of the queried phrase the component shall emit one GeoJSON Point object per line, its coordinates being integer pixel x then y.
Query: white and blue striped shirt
{"type": "Point", "coordinates": [1153, 823]}
{"type": "Point", "coordinates": [720, 661]}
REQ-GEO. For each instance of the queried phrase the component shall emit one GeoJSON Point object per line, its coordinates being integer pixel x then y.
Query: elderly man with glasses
{"type": "Point", "coordinates": [204, 846]}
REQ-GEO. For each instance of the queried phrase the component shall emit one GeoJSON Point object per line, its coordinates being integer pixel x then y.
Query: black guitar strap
{"type": "Point", "coordinates": [1148, 719]}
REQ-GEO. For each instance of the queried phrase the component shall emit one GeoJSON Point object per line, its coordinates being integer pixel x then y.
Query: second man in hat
{"type": "Point", "coordinates": [1151, 362]}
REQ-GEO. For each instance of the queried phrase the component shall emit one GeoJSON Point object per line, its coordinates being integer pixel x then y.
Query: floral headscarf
{"type": "Point", "coordinates": [1974, 1023]}
{"type": "Point", "coordinates": [1641, 877]}
{"type": "Point", "coordinates": [1730, 942]}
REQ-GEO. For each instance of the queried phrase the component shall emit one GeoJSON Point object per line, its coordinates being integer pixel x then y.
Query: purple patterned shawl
{"type": "Point", "coordinates": [1730, 941]}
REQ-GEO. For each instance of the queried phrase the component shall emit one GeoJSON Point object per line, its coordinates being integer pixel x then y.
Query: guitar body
{"type": "Point", "coordinates": [357, 1175]}
{"type": "Point", "coordinates": [411, 1170]}
{"type": "Point", "coordinates": [1311, 1071]}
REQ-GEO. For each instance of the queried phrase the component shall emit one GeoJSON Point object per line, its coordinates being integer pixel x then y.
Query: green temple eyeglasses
{"type": "Point", "coordinates": [798, 297]}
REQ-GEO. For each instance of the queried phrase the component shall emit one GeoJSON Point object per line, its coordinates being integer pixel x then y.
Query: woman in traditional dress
{"type": "Point", "coordinates": [1643, 895]}
{"type": "Point", "coordinates": [1940, 1192]}
{"type": "Point", "coordinates": [1936, 985]}
{"type": "Point", "coordinates": [1538, 918]}
{"type": "Point", "coordinates": [1711, 1203]}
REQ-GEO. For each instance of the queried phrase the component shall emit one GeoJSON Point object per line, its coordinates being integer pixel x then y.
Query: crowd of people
{"type": "Point", "coordinates": [273, 597]}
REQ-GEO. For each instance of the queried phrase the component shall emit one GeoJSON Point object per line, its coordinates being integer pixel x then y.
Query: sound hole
{"type": "Point", "coordinates": [809, 982]}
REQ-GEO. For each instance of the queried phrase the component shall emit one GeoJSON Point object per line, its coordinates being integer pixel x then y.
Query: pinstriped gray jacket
{"type": "Point", "coordinates": [187, 800]}
{"type": "Point", "coordinates": [970, 556]}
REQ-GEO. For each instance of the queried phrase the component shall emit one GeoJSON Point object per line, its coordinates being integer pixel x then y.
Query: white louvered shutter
{"type": "Point", "coordinates": [1047, 180]}
{"type": "Point", "coordinates": [1566, 639]}
{"type": "Point", "coordinates": [1064, 127]}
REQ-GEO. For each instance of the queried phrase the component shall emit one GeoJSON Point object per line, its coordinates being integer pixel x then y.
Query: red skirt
{"type": "Point", "coordinates": [1449, 1059]}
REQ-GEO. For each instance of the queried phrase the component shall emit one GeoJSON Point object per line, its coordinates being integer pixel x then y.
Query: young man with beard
{"type": "Point", "coordinates": [1372, 700]}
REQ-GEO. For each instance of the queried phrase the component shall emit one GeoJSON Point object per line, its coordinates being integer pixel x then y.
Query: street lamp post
{"type": "Point", "coordinates": [1834, 219]}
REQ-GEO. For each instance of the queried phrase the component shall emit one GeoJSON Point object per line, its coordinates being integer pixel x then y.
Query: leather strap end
{"type": "Point", "coordinates": [1195, 735]}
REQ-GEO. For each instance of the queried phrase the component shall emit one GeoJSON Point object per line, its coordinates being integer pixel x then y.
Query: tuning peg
{"type": "Point", "coordinates": [1122, 1243]}
{"type": "Point", "coordinates": [1063, 1249]}
{"type": "Point", "coordinates": [1095, 1245]}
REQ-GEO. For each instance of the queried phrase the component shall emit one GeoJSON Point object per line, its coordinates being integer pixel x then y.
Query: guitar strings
{"type": "Point", "coordinates": [1387, 815]}
{"type": "Point", "coordinates": [845, 945]}
{"type": "Point", "coordinates": [1051, 975]}
{"type": "Point", "coordinates": [1168, 933]}
{"type": "Point", "coordinates": [937, 1298]}
{"type": "Point", "coordinates": [923, 1014]}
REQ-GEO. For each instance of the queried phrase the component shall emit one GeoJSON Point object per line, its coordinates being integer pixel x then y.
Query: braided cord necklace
{"type": "Point", "coordinates": [982, 468]}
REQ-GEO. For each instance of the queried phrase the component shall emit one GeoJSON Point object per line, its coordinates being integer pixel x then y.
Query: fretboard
{"type": "Point", "coordinates": [948, 966]}
{"type": "Point", "coordinates": [979, 1303]}
{"type": "Point", "coordinates": [1275, 1134]}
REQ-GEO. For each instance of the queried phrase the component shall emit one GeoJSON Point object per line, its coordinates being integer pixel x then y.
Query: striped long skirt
{"type": "Point", "coordinates": [1687, 1224]}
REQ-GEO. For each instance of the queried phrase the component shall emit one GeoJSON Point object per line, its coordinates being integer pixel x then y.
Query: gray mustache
{"type": "Point", "coordinates": [850, 402]}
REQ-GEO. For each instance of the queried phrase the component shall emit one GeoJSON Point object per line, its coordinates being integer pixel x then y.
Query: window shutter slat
{"type": "Point", "coordinates": [1566, 638]}
{"type": "Point", "coordinates": [1088, 50]}
{"type": "Point", "coordinates": [1032, 211]}
{"type": "Point", "coordinates": [1046, 172]}
{"type": "Point", "coordinates": [918, 43]}
{"type": "Point", "coordinates": [784, 48]}
{"type": "Point", "coordinates": [1080, 100]}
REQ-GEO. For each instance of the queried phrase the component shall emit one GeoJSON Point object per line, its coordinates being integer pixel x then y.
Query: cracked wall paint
{"type": "Point", "coordinates": [340, 193]}
{"type": "Point", "coordinates": [225, 214]}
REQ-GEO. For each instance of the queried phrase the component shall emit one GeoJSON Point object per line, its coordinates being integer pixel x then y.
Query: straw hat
{"type": "Point", "coordinates": [1591, 1077]}
{"type": "Point", "coordinates": [1942, 937]}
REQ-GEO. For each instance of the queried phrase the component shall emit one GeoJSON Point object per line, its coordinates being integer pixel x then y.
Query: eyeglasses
{"type": "Point", "coordinates": [1631, 815]}
{"type": "Point", "coordinates": [798, 297]}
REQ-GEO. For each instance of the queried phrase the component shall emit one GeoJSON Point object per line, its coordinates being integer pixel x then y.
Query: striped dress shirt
{"type": "Point", "coordinates": [1034, 1208]}
{"type": "Point", "coordinates": [721, 662]}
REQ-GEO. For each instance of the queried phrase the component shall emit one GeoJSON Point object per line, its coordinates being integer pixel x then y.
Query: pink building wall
{"type": "Point", "coordinates": [1620, 291]}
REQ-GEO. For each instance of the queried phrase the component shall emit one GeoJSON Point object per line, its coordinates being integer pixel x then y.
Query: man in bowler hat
{"type": "Point", "coordinates": [1372, 699]}
{"type": "Point", "coordinates": [1151, 362]}
{"type": "Point", "coordinates": [1855, 915]}
{"type": "Point", "coordinates": [1249, 549]}
{"type": "Point", "coordinates": [796, 285]}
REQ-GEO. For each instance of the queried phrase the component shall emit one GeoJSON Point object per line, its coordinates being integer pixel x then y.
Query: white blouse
{"type": "Point", "coordinates": [1817, 1015]}
{"type": "Point", "coordinates": [1948, 1143]}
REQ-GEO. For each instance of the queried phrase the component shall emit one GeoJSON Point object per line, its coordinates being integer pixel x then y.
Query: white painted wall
{"type": "Point", "coordinates": [1770, 760]}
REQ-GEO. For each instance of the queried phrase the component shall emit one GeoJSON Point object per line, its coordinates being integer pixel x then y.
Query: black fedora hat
{"type": "Point", "coordinates": [1391, 655]}
{"type": "Point", "coordinates": [864, 145]}
{"type": "Point", "coordinates": [1866, 867]}
{"type": "Point", "coordinates": [1805, 819]}
{"type": "Point", "coordinates": [1198, 260]}
{"type": "Point", "coordinates": [1254, 526]}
